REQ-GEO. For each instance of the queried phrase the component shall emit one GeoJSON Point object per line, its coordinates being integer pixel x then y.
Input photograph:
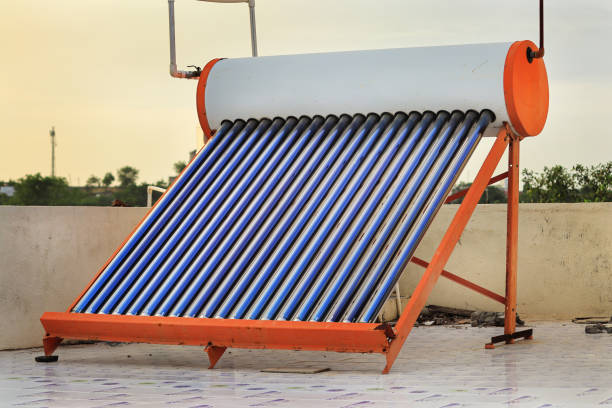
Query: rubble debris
{"type": "Point", "coordinates": [491, 319]}
{"type": "Point", "coordinates": [597, 328]}
{"type": "Point", "coordinates": [433, 315]}
{"type": "Point", "coordinates": [591, 320]}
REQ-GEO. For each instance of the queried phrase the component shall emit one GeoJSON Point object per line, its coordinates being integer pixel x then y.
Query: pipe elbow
{"type": "Point", "coordinates": [176, 73]}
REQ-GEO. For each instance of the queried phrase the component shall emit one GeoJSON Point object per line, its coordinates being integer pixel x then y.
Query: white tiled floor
{"type": "Point", "coordinates": [438, 367]}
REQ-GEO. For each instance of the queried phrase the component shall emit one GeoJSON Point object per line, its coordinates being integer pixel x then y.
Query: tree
{"type": "Point", "coordinates": [127, 176]}
{"type": "Point", "coordinates": [161, 183]}
{"type": "Point", "coordinates": [133, 195]}
{"type": "Point", "coordinates": [595, 183]}
{"type": "Point", "coordinates": [93, 181]}
{"type": "Point", "coordinates": [491, 195]}
{"type": "Point", "coordinates": [38, 190]}
{"type": "Point", "coordinates": [108, 179]}
{"type": "Point", "coordinates": [179, 166]}
{"type": "Point", "coordinates": [554, 185]}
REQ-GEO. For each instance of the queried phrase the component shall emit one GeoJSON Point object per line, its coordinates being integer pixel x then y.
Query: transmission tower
{"type": "Point", "coordinates": [52, 133]}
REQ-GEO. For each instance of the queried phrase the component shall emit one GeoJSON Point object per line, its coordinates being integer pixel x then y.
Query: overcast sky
{"type": "Point", "coordinates": [98, 71]}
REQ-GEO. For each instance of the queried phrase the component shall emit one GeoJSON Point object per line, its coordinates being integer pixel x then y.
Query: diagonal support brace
{"type": "Point", "coordinates": [444, 250]}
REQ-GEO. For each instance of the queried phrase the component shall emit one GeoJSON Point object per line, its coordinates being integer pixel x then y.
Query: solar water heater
{"type": "Point", "coordinates": [290, 228]}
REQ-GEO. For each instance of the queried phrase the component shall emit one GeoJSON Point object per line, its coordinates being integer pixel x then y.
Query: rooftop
{"type": "Point", "coordinates": [445, 366]}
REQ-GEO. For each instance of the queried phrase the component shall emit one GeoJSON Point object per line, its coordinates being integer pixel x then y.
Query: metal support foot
{"type": "Point", "coordinates": [50, 344]}
{"type": "Point", "coordinates": [509, 338]}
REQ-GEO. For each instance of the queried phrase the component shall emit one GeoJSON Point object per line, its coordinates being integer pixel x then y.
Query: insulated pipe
{"type": "Point", "coordinates": [174, 72]}
{"type": "Point", "coordinates": [253, 28]}
{"type": "Point", "coordinates": [251, 18]}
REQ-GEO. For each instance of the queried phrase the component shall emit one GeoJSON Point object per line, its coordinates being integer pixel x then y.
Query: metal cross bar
{"type": "Point", "coordinates": [464, 282]}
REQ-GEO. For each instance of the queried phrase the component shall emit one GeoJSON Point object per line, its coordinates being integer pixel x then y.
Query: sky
{"type": "Point", "coordinates": [97, 70]}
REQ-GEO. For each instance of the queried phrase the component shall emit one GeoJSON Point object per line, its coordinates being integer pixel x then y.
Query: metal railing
{"type": "Point", "coordinates": [150, 190]}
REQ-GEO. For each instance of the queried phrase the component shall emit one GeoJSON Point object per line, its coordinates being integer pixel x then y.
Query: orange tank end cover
{"type": "Point", "coordinates": [525, 89]}
{"type": "Point", "coordinates": [201, 97]}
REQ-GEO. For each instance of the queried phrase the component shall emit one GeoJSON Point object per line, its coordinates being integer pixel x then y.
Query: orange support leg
{"type": "Point", "coordinates": [444, 250]}
{"type": "Point", "coordinates": [50, 344]}
{"type": "Point", "coordinates": [512, 238]}
{"type": "Point", "coordinates": [510, 333]}
{"type": "Point", "coordinates": [214, 354]}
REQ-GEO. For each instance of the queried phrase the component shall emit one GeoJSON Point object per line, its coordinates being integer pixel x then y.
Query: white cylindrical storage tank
{"type": "Point", "coordinates": [499, 77]}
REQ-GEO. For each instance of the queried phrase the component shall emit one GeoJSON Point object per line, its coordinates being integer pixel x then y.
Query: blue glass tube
{"type": "Point", "coordinates": [307, 221]}
{"type": "Point", "coordinates": [182, 186]}
{"type": "Point", "coordinates": [212, 200]}
{"type": "Point", "coordinates": [242, 225]}
{"type": "Point", "coordinates": [406, 216]}
{"type": "Point", "coordinates": [179, 211]}
{"type": "Point", "coordinates": [307, 174]}
{"type": "Point", "coordinates": [192, 240]}
{"type": "Point", "coordinates": [360, 259]}
{"type": "Point", "coordinates": [187, 277]}
{"type": "Point", "coordinates": [463, 146]}
{"type": "Point", "coordinates": [177, 279]}
{"type": "Point", "coordinates": [353, 188]}
{"type": "Point", "coordinates": [320, 293]}
{"type": "Point", "coordinates": [186, 299]}
{"type": "Point", "coordinates": [328, 168]}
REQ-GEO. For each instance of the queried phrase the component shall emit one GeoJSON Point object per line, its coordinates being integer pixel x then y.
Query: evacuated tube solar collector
{"type": "Point", "coordinates": [291, 226]}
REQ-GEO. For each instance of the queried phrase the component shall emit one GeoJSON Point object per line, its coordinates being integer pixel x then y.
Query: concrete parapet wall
{"type": "Point", "coordinates": [49, 254]}
{"type": "Point", "coordinates": [564, 260]}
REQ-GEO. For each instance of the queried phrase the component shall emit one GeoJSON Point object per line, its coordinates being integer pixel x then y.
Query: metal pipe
{"type": "Point", "coordinates": [174, 72]}
{"type": "Point", "coordinates": [150, 190]}
{"type": "Point", "coordinates": [253, 28]}
{"type": "Point", "coordinates": [540, 52]}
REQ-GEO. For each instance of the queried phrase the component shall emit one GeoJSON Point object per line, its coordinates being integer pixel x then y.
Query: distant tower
{"type": "Point", "coordinates": [52, 133]}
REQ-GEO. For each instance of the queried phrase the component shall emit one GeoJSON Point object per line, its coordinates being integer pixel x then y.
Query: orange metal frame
{"type": "Point", "coordinates": [216, 335]}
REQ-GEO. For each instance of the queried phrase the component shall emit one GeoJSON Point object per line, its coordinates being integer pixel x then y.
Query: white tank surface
{"type": "Point", "coordinates": [460, 77]}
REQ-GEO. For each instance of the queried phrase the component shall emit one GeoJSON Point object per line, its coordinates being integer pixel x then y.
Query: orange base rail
{"type": "Point", "coordinates": [220, 333]}
{"type": "Point", "coordinates": [216, 335]}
